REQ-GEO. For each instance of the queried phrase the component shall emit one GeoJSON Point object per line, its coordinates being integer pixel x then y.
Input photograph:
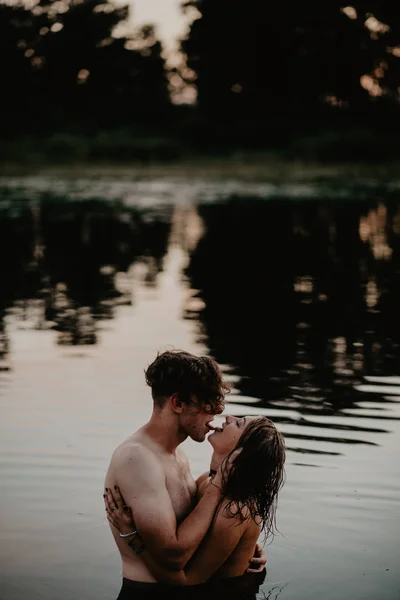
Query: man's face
{"type": "Point", "coordinates": [195, 420]}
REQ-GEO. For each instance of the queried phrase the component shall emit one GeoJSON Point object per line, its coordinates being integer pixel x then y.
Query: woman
{"type": "Point", "coordinates": [250, 484]}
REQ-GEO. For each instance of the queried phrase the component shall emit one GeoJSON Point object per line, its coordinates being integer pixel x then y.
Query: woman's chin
{"type": "Point", "coordinates": [210, 439]}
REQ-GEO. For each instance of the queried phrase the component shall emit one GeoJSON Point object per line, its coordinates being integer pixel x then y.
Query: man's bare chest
{"type": "Point", "coordinates": [181, 488]}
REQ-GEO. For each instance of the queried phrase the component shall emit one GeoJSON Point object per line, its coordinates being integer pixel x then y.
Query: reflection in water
{"type": "Point", "coordinates": [302, 298]}
{"type": "Point", "coordinates": [273, 593]}
{"type": "Point", "coordinates": [66, 265]}
{"type": "Point", "coordinates": [373, 229]}
{"type": "Point", "coordinates": [4, 346]}
{"type": "Point", "coordinates": [298, 300]}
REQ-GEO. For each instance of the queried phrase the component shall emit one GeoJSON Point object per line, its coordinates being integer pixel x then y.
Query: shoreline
{"type": "Point", "coordinates": [246, 168]}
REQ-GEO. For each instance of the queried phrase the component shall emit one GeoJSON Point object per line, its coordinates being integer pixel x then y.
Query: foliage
{"type": "Point", "coordinates": [293, 58]}
{"type": "Point", "coordinates": [295, 78]}
{"type": "Point", "coordinates": [62, 67]}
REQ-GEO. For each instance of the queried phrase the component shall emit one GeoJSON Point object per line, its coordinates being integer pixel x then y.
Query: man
{"type": "Point", "coordinates": [153, 473]}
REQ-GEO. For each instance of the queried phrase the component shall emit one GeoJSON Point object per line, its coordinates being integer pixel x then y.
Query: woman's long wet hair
{"type": "Point", "coordinates": [251, 488]}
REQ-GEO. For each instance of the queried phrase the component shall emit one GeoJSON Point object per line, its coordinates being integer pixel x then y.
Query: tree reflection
{"type": "Point", "coordinates": [4, 344]}
{"type": "Point", "coordinates": [61, 262]}
{"type": "Point", "coordinates": [288, 299]}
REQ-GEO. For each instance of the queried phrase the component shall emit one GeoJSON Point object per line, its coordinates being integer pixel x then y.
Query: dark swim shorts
{"type": "Point", "coordinates": [140, 590]}
{"type": "Point", "coordinates": [244, 587]}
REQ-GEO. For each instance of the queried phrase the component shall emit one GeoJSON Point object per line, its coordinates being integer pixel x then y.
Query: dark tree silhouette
{"type": "Point", "coordinates": [265, 72]}
{"type": "Point", "coordinates": [284, 282]}
{"type": "Point", "coordinates": [67, 256]}
{"type": "Point", "coordinates": [266, 59]}
{"type": "Point", "coordinates": [60, 66]}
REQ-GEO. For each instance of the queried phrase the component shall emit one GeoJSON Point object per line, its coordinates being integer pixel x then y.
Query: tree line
{"type": "Point", "coordinates": [61, 66]}
{"type": "Point", "coordinates": [253, 65]}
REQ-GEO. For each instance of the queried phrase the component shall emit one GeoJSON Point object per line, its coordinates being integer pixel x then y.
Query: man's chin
{"type": "Point", "coordinates": [199, 438]}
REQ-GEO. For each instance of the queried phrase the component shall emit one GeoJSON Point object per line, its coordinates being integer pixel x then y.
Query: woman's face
{"type": "Point", "coordinates": [224, 439]}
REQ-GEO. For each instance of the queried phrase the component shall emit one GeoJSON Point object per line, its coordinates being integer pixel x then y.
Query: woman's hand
{"type": "Point", "coordinates": [119, 515]}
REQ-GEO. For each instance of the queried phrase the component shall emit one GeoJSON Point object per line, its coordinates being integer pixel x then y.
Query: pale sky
{"type": "Point", "coordinates": [171, 25]}
{"type": "Point", "coordinates": [165, 14]}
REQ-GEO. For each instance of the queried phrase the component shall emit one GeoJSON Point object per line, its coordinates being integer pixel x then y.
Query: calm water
{"type": "Point", "coordinates": [294, 290]}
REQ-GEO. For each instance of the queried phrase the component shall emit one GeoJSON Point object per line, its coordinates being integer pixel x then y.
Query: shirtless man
{"type": "Point", "coordinates": [153, 473]}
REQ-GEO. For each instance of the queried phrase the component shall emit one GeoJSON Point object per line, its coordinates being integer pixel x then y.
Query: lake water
{"type": "Point", "coordinates": [295, 290]}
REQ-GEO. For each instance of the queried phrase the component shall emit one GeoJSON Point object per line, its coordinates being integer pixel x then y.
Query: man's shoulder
{"type": "Point", "coordinates": [136, 466]}
{"type": "Point", "coordinates": [133, 451]}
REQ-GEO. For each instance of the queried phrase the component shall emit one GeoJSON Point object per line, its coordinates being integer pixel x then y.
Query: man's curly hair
{"type": "Point", "coordinates": [196, 379]}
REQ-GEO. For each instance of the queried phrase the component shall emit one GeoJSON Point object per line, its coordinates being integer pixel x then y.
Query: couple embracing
{"type": "Point", "coordinates": [181, 538]}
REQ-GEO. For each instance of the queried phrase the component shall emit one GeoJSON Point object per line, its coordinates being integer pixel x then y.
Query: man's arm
{"type": "Point", "coordinates": [259, 560]}
{"type": "Point", "coordinates": [120, 516]}
{"type": "Point", "coordinates": [141, 480]}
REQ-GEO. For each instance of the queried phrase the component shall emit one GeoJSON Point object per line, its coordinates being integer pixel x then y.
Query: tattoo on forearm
{"type": "Point", "coordinates": [136, 544]}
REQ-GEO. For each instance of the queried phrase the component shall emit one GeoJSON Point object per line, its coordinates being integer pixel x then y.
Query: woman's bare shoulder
{"type": "Point", "coordinates": [240, 515]}
{"type": "Point", "coordinates": [204, 477]}
{"type": "Point", "coordinates": [202, 483]}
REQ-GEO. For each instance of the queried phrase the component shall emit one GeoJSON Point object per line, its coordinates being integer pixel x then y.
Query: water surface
{"type": "Point", "coordinates": [294, 290]}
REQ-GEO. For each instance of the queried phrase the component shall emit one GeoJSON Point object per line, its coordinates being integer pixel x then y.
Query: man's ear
{"type": "Point", "coordinates": [176, 403]}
